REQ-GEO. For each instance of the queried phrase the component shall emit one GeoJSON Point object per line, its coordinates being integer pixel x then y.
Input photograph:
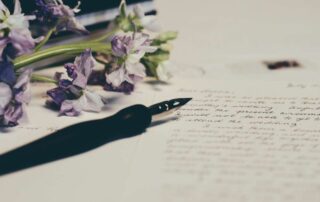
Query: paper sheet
{"type": "Point", "coordinates": [102, 173]}
{"type": "Point", "coordinates": [236, 141]}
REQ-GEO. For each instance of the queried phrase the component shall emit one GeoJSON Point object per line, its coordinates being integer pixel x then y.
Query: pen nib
{"type": "Point", "coordinates": [183, 101]}
{"type": "Point", "coordinates": [167, 107]}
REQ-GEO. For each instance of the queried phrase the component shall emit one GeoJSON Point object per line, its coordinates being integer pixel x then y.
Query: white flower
{"type": "Point", "coordinates": [91, 102]}
{"type": "Point", "coordinates": [14, 29]}
{"type": "Point", "coordinates": [17, 20]}
{"type": "Point", "coordinates": [162, 71]}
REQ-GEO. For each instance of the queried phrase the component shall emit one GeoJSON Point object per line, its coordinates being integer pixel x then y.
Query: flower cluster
{"type": "Point", "coordinates": [58, 16]}
{"type": "Point", "coordinates": [72, 96]}
{"type": "Point", "coordinates": [125, 69]}
{"type": "Point", "coordinates": [15, 36]}
{"type": "Point", "coordinates": [131, 49]}
{"type": "Point", "coordinates": [135, 53]}
{"type": "Point", "coordinates": [158, 63]}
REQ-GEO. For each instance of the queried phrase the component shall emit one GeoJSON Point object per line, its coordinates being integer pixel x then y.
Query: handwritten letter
{"type": "Point", "coordinates": [234, 142]}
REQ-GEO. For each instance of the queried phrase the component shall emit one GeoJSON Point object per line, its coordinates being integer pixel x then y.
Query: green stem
{"type": "Point", "coordinates": [70, 49]}
{"type": "Point", "coordinates": [44, 79]}
{"type": "Point", "coordinates": [45, 40]}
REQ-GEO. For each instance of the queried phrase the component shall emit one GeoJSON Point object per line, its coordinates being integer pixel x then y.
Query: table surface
{"type": "Point", "coordinates": [211, 32]}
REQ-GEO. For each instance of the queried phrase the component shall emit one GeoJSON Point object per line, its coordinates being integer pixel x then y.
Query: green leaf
{"type": "Point", "coordinates": [151, 68]}
{"type": "Point", "coordinates": [165, 47]}
{"type": "Point", "coordinates": [165, 37]}
{"type": "Point", "coordinates": [123, 10]}
{"type": "Point", "coordinates": [158, 56]}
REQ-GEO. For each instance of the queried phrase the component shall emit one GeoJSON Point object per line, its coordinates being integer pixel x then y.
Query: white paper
{"type": "Point", "coordinates": [235, 141]}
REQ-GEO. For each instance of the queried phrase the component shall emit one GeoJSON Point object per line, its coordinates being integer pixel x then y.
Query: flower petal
{"type": "Point", "coordinates": [5, 96]}
{"type": "Point", "coordinates": [97, 77]}
{"type": "Point", "coordinates": [13, 113]}
{"type": "Point", "coordinates": [84, 65]}
{"type": "Point", "coordinates": [125, 87]}
{"type": "Point", "coordinates": [7, 74]}
{"type": "Point", "coordinates": [21, 89]}
{"type": "Point", "coordinates": [24, 79]}
{"type": "Point", "coordinates": [57, 95]}
{"type": "Point", "coordinates": [17, 7]}
{"type": "Point", "coordinates": [91, 102]}
{"type": "Point", "coordinates": [70, 108]}
{"type": "Point", "coordinates": [120, 44]}
{"type": "Point", "coordinates": [3, 44]}
{"type": "Point", "coordinates": [3, 8]}
{"type": "Point", "coordinates": [137, 69]}
{"type": "Point", "coordinates": [115, 78]}
{"type": "Point", "coordinates": [22, 41]}
{"type": "Point", "coordinates": [162, 71]}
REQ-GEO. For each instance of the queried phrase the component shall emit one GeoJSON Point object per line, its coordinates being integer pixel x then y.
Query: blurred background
{"type": "Point", "coordinates": [226, 29]}
{"type": "Point", "coordinates": [225, 32]}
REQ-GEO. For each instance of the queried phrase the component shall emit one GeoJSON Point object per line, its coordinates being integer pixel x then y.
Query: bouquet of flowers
{"type": "Point", "coordinates": [131, 48]}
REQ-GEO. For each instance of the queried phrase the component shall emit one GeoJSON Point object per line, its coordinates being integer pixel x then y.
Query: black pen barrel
{"type": "Point", "coordinates": [77, 139]}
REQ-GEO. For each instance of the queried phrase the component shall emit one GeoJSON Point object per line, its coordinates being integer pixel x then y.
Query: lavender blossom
{"type": "Point", "coordinates": [72, 96]}
{"type": "Point", "coordinates": [59, 16]}
{"type": "Point", "coordinates": [14, 31]}
{"type": "Point", "coordinates": [126, 69]}
{"type": "Point", "coordinates": [13, 96]}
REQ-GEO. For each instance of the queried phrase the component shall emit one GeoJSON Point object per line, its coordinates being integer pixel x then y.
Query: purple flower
{"type": "Point", "coordinates": [128, 49]}
{"type": "Point", "coordinates": [13, 113]}
{"type": "Point", "coordinates": [124, 87]}
{"type": "Point", "coordinates": [127, 72]}
{"type": "Point", "coordinates": [82, 68]}
{"type": "Point", "coordinates": [70, 108]}
{"type": "Point", "coordinates": [97, 77]}
{"type": "Point", "coordinates": [56, 14]}
{"type": "Point", "coordinates": [14, 32]}
{"type": "Point", "coordinates": [7, 74]}
{"type": "Point", "coordinates": [132, 45]}
{"type": "Point", "coordinates": [72, 96]}
{"type": "Point", "coordinates": [13, 97]}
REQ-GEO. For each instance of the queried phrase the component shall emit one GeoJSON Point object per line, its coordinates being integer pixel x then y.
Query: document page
{"type": "Point", "coordinates": [235, 141]}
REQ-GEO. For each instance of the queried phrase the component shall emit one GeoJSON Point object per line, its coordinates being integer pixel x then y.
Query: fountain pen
{"type": "Point", "coordinates": [86, 136]}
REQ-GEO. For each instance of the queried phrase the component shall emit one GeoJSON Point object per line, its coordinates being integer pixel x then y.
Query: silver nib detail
{"type": "Point", "coordinates": [162, 109]}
